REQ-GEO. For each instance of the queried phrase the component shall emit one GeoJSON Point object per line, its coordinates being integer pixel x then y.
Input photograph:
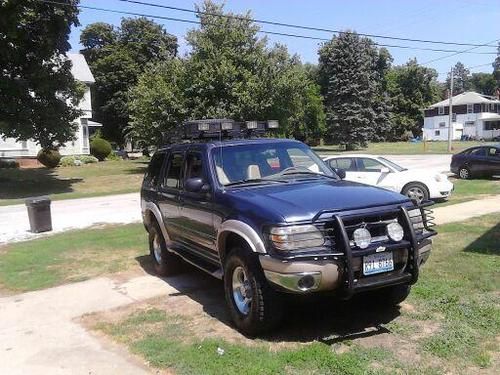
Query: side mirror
{"type": "Point", "coordinates": [385, 170]}
{"type": "Point", "coordinates": [196, 185]}
{"type": "Point", "coordinates": [340, 172]}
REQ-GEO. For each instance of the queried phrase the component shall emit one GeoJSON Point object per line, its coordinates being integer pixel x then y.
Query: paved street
{"type": "Point", "coordinates": [438, 163]}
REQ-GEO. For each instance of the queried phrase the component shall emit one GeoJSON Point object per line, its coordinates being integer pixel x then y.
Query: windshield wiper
{"type": "Point", "coordinates": [255, 180]}
{"type": "Point", "coordinates": [309, 173]}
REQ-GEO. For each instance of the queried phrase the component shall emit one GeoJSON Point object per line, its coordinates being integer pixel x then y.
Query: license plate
{"type": "Point", "coordinates": [377, 263]}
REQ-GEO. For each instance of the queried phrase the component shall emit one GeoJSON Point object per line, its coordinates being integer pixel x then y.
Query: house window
{"type": "Point", "coordinates": [470, 108]}
{"type": "Point", "coordinates": [469, 123]}
{"type": "Point", "coordinates": [24, 145]}
{"type": "Point", "coordinates": [85, 133]}
{"type": "Point", "coordinates": [437, 133]}
{"type": "Point", "coordinates": [442, 124]}
{"type": "Point", "coordinates": [454, 117]}
{"type": "Point", "coordinates": [440, 110]}
{"type": "Point", "coordinates": [492, 107]}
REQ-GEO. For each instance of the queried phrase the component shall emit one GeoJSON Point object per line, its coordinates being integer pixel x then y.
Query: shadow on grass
{"type": "Point", "coordinates": [322, 318]}
{"type": "Point", "coordinates": [24, 183]}
{"type": "Point", "coordinates": [488, 243]}
{"type": "Point", "coordinates": [138, 168]}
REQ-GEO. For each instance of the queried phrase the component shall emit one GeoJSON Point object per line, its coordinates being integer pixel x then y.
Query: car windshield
{"type": "Point", "coordinates": [267, 163]}
{"type": "Point", "coordinates": [393, 165]}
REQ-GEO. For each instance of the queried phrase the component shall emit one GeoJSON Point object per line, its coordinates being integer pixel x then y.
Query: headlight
{"type": "Point", "coordinates": [395, 231]}
{"type": "Point", "coordinates": [296, 237]}
{"type": "Point", "coordinates": [362, 238]}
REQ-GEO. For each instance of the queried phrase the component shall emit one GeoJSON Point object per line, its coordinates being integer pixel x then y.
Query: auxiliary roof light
{"type": "Point", "coordinates": [251, 124]}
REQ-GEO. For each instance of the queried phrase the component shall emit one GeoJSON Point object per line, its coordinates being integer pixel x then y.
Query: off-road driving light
{"type": "Point", "coordinates": [227, 126]}
{"type": "Point", "coordinates": [251, 124]}
{"type": "Point", "coordinates": [203, 126]}
{"type": "Point", "coordinates": [296, 237]}
{"type": "Point", "coordinates": [362, 238]}
{"type": "Point", "coordinates": [395, 231]}
{"type": "Point", "coordinates": [273, 124]}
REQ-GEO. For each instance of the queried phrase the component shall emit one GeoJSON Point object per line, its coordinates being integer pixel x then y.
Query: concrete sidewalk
{"type": "Point", "coordinates": [467, 210]}
{"type": "Point", "coordinates": [71, 214]}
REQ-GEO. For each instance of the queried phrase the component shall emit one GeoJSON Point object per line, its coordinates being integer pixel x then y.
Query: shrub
{"type": "Point", "coordinates": [49, 157]}
{"type": "Point", "coordinates": [8, 163]}
{"type": "Point", "coordinates": [77, 160]}
{"type": "Point", "coordinates": [100, 148]}
{"type": "Point", "coordinates": [113, 156]}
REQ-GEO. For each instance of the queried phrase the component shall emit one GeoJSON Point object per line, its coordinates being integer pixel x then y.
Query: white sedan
{"type": "Point", "coordinates": [418, 184]}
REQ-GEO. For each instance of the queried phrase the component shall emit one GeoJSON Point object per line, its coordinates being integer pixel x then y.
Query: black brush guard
{"type": "Point", "coordinates": [411, 242]}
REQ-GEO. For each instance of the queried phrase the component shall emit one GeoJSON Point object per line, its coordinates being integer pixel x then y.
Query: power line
{"type": "Point", "coordinates": [459, 52]}
{"type": "Point", "coordinates": [260, 31]}
{"type": "Point", "coordinates": [303, 27]}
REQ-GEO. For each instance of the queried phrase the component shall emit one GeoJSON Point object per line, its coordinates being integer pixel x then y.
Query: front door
{"type": "Point", "coordinates": [370, 171]}
{"type": "Point", "coordinates": [348, 165]}
{"type": "Point", "coordinates": [196, 209]}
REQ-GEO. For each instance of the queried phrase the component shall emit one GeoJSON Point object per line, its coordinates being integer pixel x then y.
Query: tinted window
{"type": "Point", "coordinates": [347, 164]}
{"type": "Point", "coordinates": [369, 165]}
{"type": "Point", "coordinates": [154, 168]}
{"type": "Point", "coordinates": [194, 165]}
{"type": "Point", "coordinates": [477, 152]}
{"type": "Point", "coordinates": [493, 151]}
{"type": "Point", "coordinates": [174, 168]}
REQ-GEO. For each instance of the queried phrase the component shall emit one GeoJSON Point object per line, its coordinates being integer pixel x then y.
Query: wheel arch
{"type": "Point", "coordinates": [423, 184]}
{"type": "Point", "coordinates": [234, 232]}
{"type": "Point", "coordinates": [151, 213]}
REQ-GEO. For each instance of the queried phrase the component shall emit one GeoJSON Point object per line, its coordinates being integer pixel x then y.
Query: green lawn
{"type": "Point", "coordinates": [104, 178]}
{"type": "Point", "coordinates": [449, 324]}
{"type": "Point", "coordinates": [72, 256]}
{"type": "Point", "coordinates": [401, 148]}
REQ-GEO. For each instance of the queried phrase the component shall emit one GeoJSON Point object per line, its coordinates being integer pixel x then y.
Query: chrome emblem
{"type": "Point", "coordinates": [380, 249]}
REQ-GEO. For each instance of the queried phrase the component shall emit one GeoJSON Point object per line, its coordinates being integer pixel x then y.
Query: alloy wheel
{"type": "Point", "coordinates": [242, 290]}
{"type": "Point", "coordinates": [464, 173]}
{"type": "Point", "coordinates": [157, 249]}
{"type": "Point", "coordinates": [416, 193]}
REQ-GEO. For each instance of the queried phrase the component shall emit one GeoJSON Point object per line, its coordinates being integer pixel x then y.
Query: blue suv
{"type": "Point", "coordinates": [270, 218]}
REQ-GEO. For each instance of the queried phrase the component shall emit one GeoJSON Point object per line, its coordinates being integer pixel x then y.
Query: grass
{"type": "Point", "coordinates": [451, 324]}
{"type": "Point", "coordinates": [90, 180]}
{"type": "Point", "coordinates": [467, 190]}
{"type": "Point", "coordinates": [401, 148]}
{"type": "Point", "coordinates": [72, 256]}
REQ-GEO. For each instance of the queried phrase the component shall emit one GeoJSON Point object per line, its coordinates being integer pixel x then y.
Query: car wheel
{"type": "Point", "coordinates": [393, 295]}
{"type": "Point", "coordinates": [165, 263]}
{"type": "Point", "coordinates": [416, 191]}
{"type": "Point", "coordinates": [464, 173]}
{"type": "Point", "coordinates": [253, 305]}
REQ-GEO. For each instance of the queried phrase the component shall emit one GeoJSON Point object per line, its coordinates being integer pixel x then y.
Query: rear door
{"type": "Point", "coordinates": [169, 194]}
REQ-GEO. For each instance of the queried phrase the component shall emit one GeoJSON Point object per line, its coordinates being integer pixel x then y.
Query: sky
{"type": "Point", "coordinates": [463, 21]}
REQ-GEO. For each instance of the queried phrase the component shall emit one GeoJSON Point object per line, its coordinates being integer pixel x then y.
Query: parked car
{"type": "Point", "coordinates": [268, 217]}
{"type": "Point", "coordinates": [418, 184]}
{"type": "Point", "coordinates": [480, 161]}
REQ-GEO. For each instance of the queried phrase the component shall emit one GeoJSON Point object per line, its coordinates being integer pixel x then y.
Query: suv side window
{"type": "Point", "coordinates": [154, 169]}
{"type": "Point", "coordinates": [174, 169]}
{"type": "Point", "coordinates": [194, 165]}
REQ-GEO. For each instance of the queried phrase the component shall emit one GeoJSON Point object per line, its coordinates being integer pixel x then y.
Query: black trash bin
{"type": "Point", "coordinates": [39, 214]}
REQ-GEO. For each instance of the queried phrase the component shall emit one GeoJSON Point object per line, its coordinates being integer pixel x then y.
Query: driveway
{"type": "Point", "coordinates": [72, 214]}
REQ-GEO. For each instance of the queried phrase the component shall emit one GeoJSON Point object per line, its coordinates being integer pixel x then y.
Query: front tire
{"type": "Point", "coordinates": [253, 305]}
{"type": "Point", "coordinates": [165, 263]}
{"type": "Point", "coordinates": [416, 191]}
{"type": "Point", "coordinates": [464, 173]}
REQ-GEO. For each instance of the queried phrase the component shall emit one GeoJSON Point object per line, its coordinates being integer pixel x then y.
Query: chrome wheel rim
{"type": "Point", "coordinates": [416, 193]}
{"type": "Point", "coordinates": [464, 173]}
{"type": "Point", "coordinates": [242, 291]}
{"type": "Point", "coordinates": [157, 249]}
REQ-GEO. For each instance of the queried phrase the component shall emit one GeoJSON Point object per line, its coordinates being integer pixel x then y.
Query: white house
{"type": "Point", "coordinates": [474, 115]}
{"type": "Point", "coordinates": [10, 148]}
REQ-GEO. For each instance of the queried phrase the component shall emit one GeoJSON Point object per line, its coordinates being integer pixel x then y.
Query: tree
{"type": "Point", "coordinates": [229, 73]}
{"type": "Point", "coordinates": [117, 56]}
{"type": "Point", "coordinates": [37, 91]}
{"type": "Point", "coordinates": [351, 71]}
{"type": "Point", "coordinates": [483, 83]}
{"type": "Point", "coordinates": [496, 68]}
{"type": "Point", "coordinates": [411, 87]}
{"type": "Point", "coordinates": [461, 79]}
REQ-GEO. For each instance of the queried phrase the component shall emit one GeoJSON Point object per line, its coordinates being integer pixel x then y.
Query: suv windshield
{"type": "Point", "coordinates": [268, 162]}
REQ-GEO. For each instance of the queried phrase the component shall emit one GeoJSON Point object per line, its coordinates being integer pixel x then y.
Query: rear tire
{"type": "Point", "coordinates": [464, 173]}
{"type": "Point", "coordinates": [165, 263]}
{"type": "Point", "coordinates": [253, 305]}
{"type": "Point", "coordinates": [393, 295]}
{"type": "Point", "coordinates": [417, 191]}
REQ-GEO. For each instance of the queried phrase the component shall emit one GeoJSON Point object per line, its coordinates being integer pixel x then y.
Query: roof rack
{"type": "Point", "coordinates": [226, 128]}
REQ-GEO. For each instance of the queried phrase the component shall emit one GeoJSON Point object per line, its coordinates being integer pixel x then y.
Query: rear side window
{"type": "Point", "coordinates": [154, 169]}
{"type": "Point", "coordinates": [478, 152]}
{"type": "Point", "coordinates": [174, 169]}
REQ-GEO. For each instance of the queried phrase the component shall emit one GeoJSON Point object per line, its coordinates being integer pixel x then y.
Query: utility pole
{"type": "Point", "coordinates": [450, 121]}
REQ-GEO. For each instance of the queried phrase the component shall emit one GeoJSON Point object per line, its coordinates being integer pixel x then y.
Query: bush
{"type": "Point", "coordinates": [8, 163]}
{"type": "Point", "coordinates": [77, 160]}
{"type": "Point", "coordinates": [113, 156]}
{"type": "Point", "coordinates": [100, 148]}
{"type": "Point", "coordinates": [49, 157]}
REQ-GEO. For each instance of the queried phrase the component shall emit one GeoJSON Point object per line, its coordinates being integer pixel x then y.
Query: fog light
{"type": "Point", "coordinates": [362, 238]}
{"type": "Point", "coordinates": [395, 231]}
{"type": "Point", "coordinates": [306, 282]}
